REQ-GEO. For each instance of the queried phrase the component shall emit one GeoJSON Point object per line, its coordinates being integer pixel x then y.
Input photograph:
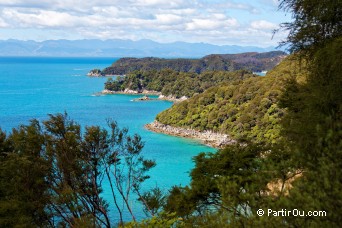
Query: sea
{"type": "Point", "coordinates": [33, 87]}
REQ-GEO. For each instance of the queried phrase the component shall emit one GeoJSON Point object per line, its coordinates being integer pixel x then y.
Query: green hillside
{"type": "Point", "coordinates": [221, 62]}
{"type": "Point", "coordinates": [177, 84]}
{"type": "Point", "coordinates": [247, 109]}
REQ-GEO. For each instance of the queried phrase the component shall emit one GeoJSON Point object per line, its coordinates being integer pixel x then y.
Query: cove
{"type": "Point", "coordinates": [34, 87]}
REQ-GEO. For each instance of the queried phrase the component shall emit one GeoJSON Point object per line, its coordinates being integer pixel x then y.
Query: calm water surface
{"type": "Point", "coordinates": [34, 87]}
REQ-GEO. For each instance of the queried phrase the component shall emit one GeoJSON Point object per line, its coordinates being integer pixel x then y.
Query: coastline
{"type": "Point", "coordinates": [134, 92]}
{"type": "Point", "coordinates": [96, 75]}
{"type": "Point", "coordinates": [209, 138]}
{"type": "Point", "coordinates": [145, 92]}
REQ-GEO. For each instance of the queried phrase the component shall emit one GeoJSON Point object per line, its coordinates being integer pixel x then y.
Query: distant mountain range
{"type": "Point", "coordinates": [118, 48]}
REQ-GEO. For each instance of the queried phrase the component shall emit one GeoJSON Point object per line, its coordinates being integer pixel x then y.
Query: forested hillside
{"type": "Point", "coordinates": [285, 172]}
{"type": "Point", "coordinates": [247, 109]}
{"type": "Point", "coordinates": [292, 179]}
{"type": "Point", "coordinates": [228, 62]}
{"type": "Point", "coordinates": [173, 83]}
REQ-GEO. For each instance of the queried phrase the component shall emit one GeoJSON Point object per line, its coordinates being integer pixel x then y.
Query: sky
{"type": "Point", "coordinates": [229, 22]}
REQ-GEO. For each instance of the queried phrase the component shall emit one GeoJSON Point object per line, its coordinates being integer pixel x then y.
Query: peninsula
{"type": "Point", "coordinates": [216, 104]}
{"type": "Point", "coordinates": [252, 61]}
{"type": "Point", "coordinates": [210, 138]}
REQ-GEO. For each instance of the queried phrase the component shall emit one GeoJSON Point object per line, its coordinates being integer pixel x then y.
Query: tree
{"type": "Point", "coordinates": [75, 179]}
{"type": "Point", "coordinates": [312, 125]}
{"type": "Point", "coordinates": [315, 23]}
{"type": "Point", "coordinates": [153, 200]}
{"type": "Point", "coordinates": [230, 181]}
{"type": "Point", "coordinates": [51, 174]}
{"type": "Point", "coordinates": [23, 186]}
{"type": "Point", "coordinates": [125, 167]}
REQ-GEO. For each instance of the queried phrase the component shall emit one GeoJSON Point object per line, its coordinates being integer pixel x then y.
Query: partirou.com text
{"type": "Point", "coordinates": [293, 212]}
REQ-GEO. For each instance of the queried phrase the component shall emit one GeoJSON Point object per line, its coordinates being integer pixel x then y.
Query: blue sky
{"type": "Point", "coordinates": [229, 22]}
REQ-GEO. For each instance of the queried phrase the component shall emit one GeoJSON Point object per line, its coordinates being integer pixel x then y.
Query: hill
{"type": "Point", "coordinates": [222, 62]}
{"type": "Point", "coordinates": [173, 83]}
{"type": "Point", "coordinates": [246, 110]}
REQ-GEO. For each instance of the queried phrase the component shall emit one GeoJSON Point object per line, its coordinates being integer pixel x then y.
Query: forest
{"type": "Point", "coordinates": [252, 61]}
{"type": "Point", "coordinates": [289, 154]}
{"type": "Point", "coordinates": [173, 83]}
{"type": "Point", "coordinates": [248, 109]}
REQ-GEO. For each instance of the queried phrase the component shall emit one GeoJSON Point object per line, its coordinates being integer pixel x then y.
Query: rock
{"type": "Point", "coordinates": [106, 91]}
{"type": "Point", "coordinates": [129, 91]}
{"type": "Point", "coordinates": [150, 92]}
{"type": "Point", "coordinates": [213, 139]}
{"type": "Point", "coordinates": [144, 98]}
{"type": "Point", "coordinates": [183, 98]}
{"type": "Point", "coordinates": [172, 98]}
{"type": "Point", "coordinates": [95, 73]}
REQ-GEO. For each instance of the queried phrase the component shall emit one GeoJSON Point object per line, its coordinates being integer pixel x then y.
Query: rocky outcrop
{"type": "Point", "coordinates": [145, 92]}
{"type": "Point", "coordinates": [210, 138]}
{"type": "Point", "coordinates": [106, 91]}
{"type": "Point", "coordinates": [95, 73]}
{"type": "Point", "coordinates": [172, 98]}
{"type": "Point", "coordinates": [128, 91]}
{"type": "Point", "coordinates": [144, 98]}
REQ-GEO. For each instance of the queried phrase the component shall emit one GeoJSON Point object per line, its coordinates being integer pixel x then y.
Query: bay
{"type": "Point", "coordinates": [34, 87]}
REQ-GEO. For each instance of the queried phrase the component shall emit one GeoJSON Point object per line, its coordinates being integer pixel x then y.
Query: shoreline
{"type": "Point", "coordinates": [209, 138]}
{"type": "Point", "coordinates": [132, 92]}
{"type": "Point", "coordinates": [212, 139]}
{"type": "Point", "coordinates": [145, 92]}
{"type": "Point", "coordinates": [97, 74]}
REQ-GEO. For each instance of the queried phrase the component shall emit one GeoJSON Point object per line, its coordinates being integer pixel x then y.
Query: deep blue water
{"type": "Point", "coordinates": [34, 87]}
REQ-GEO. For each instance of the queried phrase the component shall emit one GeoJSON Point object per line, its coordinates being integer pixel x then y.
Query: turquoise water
{"type": "Point", "coordinates": [33, 87]}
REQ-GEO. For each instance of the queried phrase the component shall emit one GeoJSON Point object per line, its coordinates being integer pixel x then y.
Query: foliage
{"type": "Point", "coordinates": [315, 23]}
{"type": "Point", "coordinates": [310, 144]}
{"type": "Point", "coordinates": [95, 72]}
{"type": "Point", "coordinates": [227, 187]}
{"type": "Point", "coordinates": [311, 103]}
{"type": "Point", "coordinates": [173, 83]}
{"type": "Point", "coordinates": [294, 114]}
{"type": "Point", "coordinates": [51, 173]}
{"type": "Point", "coordinates": [153, 200]}
{"type": "Point", "coordinates": [23, 187]}
{"type": "Point", "coordinates": [204, 191]}
{"type": "Point", "coordinates": [228, 62]}
{"type": "Point", "coordinates": [247, 110]}
{"type": "Point", "coordinates": [159, 221]}
{"type": "Point", "coordinates": [313, 128]}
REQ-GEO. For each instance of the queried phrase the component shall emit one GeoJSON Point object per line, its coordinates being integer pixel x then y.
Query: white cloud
{"type": "Point", "coordinates": [161, 20]}
{"type": "Point", "coordinates": [161, 3]}
{"type": "Point", "coordinates": [230, 5]}
{"type": "Point", "coordinates": [219, 16]}
{"type": "Point", "coordinates": [40, 18]}
{"type": "Point", "coordinates": [3, 24]}
{"type": "Point", "coordinates": [211, 23]}
{"type": "Point", "coordinates": [168, 18]}
{"type": "Point", "coordinates": [263, 25]}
